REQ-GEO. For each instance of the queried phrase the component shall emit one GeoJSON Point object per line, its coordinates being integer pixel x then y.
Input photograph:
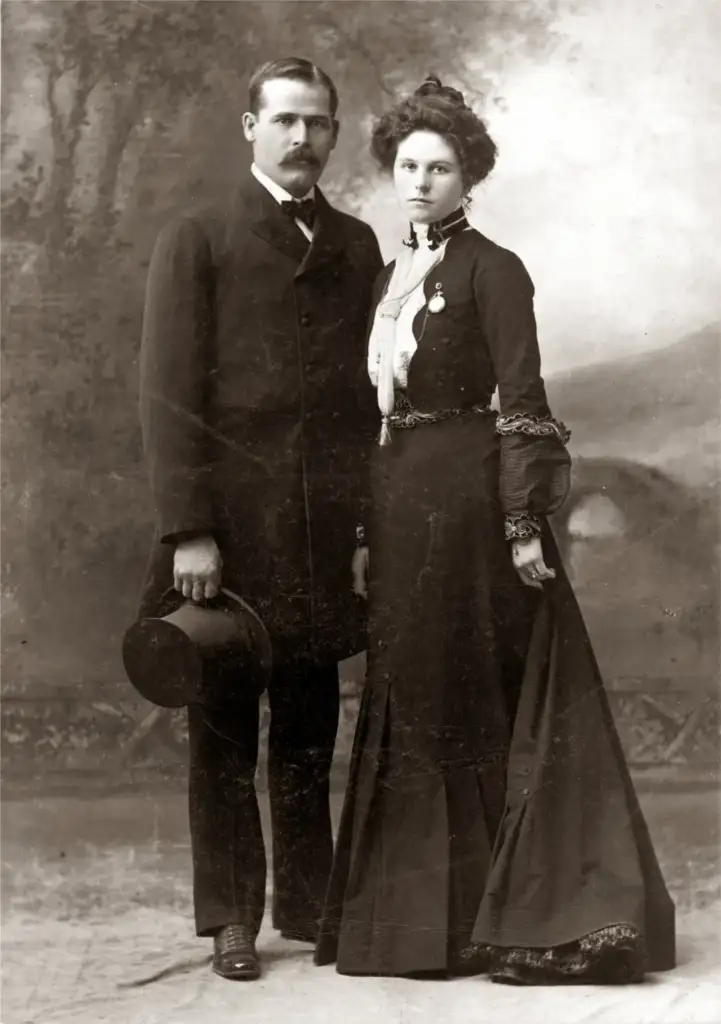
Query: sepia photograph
{"type": "Point", "coordinates": [361, 522]}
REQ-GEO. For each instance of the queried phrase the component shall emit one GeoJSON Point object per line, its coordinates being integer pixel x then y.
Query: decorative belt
{"type": "Point", "coordinates": [407, 417]}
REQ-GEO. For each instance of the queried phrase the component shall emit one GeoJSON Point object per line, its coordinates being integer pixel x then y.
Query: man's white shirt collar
{"type": "Point", "coordinates": [281, 196]}
{"type": "Point", "coordinates": [278, 193]}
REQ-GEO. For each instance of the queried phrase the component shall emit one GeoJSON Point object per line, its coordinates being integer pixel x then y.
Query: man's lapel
{"type": "Point", "coordinates": [271, 223]}
{"type": "Point", "coordinates": [327, 244]}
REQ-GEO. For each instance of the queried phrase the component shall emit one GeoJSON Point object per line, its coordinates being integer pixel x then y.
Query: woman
{"type": "Point", "coordinates": [490, 822]}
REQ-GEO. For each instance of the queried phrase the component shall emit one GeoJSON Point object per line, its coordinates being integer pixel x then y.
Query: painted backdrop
{"type": "Point", "coordinates": [606, 113]}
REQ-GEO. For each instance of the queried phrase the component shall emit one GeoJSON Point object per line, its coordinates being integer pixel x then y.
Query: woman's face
{"type": "Point", "coordinates": [427, 177]}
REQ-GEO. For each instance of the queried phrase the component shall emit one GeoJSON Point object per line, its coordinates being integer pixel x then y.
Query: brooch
{"type": "Point", "coordinates": [437, 302]}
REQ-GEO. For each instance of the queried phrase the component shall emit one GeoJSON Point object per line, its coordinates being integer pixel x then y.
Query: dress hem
{"type": "Point", "coordinates": [615, 954]}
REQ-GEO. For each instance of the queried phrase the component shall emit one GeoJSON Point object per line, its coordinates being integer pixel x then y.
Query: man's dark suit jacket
{"type": "Point", "coordinates": [252, 343]}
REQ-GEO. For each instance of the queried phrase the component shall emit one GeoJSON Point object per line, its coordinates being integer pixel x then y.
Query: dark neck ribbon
{"type": "Point", "coordinates": [439, 231]}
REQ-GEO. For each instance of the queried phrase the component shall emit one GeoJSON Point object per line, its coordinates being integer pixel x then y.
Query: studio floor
{"type": "Point", "coordinates": [97, 927]}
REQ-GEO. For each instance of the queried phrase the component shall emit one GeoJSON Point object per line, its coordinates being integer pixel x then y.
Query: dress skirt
{"type": "Point", "coordinates": [490, 822]}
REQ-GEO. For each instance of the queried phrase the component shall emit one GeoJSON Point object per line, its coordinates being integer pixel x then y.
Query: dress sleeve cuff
{"type": "Point", "coordinates": [533, 426]}
{"type": "Point", "coordinates": [522, 526]}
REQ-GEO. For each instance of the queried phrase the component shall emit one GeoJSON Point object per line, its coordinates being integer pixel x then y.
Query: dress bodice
{"type": "Point", "coordinates": [453, 354]}
{"type": "Point", "coordinates": [406, 343]}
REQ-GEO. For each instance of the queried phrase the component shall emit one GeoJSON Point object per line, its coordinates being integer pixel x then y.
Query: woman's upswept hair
{"type": "Point", "coordinates": [438, 108]}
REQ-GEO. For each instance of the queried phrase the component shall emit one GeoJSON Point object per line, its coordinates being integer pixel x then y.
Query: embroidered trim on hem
{"type": "Point", "coordinates": [535, 426]}
{"type": "Point", "coordinates": [614, 954]}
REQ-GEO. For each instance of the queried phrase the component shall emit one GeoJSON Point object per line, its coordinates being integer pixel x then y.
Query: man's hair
{"type": "Point", "coordinates": [289, 67]}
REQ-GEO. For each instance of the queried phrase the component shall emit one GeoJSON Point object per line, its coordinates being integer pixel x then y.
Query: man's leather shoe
{"type": "Point", "coordinates": [300, 935]}
{"type": "Point", "coordinates": [234, 954]}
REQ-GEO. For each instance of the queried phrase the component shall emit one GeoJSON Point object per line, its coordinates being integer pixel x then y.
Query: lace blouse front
{"type": "Point", "coordinates": [405, 342]}
{"type": "Point", "coordinates": [534, 472]}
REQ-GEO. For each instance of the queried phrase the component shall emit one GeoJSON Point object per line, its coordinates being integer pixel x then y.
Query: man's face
{"type": "Point", "coordinates": [293, 133]}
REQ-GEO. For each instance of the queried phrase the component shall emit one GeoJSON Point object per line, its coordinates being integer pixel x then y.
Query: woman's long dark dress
{"type": "Point", "coordinates": [489, 807]}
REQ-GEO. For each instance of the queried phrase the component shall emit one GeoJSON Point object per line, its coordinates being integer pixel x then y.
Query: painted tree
{"type": "Point", "coordinates": [115, 114]}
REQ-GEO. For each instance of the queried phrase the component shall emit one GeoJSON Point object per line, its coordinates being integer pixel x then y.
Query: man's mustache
{"type": "Point", "coordinates": [299, 159]}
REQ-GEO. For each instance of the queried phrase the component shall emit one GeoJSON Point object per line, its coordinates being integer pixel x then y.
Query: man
{"type": "Point", "coordinates": [253, 337]}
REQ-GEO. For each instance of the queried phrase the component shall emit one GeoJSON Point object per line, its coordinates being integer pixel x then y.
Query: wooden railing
{"type": "Point", "coordinates": [669, 728]}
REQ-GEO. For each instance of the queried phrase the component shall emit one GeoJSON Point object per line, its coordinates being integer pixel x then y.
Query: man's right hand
{"type": "Point", "coordinates": [197, 567]}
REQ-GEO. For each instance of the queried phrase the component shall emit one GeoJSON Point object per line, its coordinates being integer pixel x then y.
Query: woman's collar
{"type": "Point", "coordinates": [438, 232]}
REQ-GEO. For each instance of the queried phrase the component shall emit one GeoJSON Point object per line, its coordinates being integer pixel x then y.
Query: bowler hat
{"type": "Point", "coordinates": [199, 653]}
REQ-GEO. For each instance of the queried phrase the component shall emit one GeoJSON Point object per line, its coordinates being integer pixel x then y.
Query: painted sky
{"type": "Point", "coordinates": [608, 179]}
{"type": "Point", "coordinates": [607, 183]}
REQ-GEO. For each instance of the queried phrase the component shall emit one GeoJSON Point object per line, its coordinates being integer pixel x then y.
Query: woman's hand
{"type": "Point", "coordinates": [528, 562]}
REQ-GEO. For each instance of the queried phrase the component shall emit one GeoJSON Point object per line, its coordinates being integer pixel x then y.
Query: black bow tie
{"type": "Point", "coordinates": [301, 209]}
